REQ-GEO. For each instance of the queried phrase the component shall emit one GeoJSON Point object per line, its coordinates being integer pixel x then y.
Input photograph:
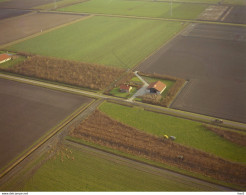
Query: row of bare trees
{"type": "Point", "coordinates": [90, 76]}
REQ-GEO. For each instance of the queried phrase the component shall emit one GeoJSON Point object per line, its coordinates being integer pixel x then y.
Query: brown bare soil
{"type": "Point", "coordinates": [237, 138]}
{"type": "Point", "coordinates": [26, 25]}
{"type": "Point", "coordinates": [157, 99]}
{"type": "Point", "coordinates": [28, 112]}
{"type": "Point", "coordinates": [71, 72]}
{"type": "Point", "coordinates": [100, 129]}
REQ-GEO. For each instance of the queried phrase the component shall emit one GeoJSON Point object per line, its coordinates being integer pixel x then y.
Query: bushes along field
{"type": "Point", "coordinates": [101, 129]}
{"type": "Point", "coordinates": [235, 137]}
{"type": "Point", "coordinates": [75, 73]}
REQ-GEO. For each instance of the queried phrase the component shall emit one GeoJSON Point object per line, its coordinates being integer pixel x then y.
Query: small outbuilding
{"type": "Point", "coordinates": [125, 88]}
{"type": "Point", "coordinates": [4, 58]}
{"type": "Point", "coordinates": [156, 87]}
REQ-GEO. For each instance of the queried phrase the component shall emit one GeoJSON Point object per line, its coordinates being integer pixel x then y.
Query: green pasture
{"type": "Point", "coordinates": [119, 42]}
{"type": "Point", "coordinates": [187, 132]}
{"type": "Point", "coordinates": [89, 172]}
{"type": "Point", "coordinates": [138, 8]}
{"type": "Point", "coordinates": [235, 2]}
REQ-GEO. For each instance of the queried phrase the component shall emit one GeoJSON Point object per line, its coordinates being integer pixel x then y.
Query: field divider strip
{"type": "Point", "coordinates": [45, 31]}
{"type": "Point", "coordinates": [51, 134]}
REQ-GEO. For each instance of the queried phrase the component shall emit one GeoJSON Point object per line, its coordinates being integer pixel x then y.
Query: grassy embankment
{"type": "Point", "coordinates": [119, 42]}
{"type": "Point", "coordinates": [189, 133]}
{"type": "Point", "coordinates": [138, 8]}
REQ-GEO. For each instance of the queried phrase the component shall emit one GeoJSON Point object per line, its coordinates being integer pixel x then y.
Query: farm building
{"type": "Point", "coordinates": [125, 88]}
{"type": "Point", "coordinates": [4, 58]}
{"type": "Point", "coordinates": [156, 87]}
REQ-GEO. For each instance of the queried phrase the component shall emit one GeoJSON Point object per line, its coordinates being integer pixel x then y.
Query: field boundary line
{"type": "Point", "coordinates": [177, 94]}
{"type": "Point", "coordinates": [158, 49]}
{"type": "Point", "coordinates": [45, 31]}
{"type": "Point", "coordinates": [56, 129]}
{"type": "Point", "coordinates": [22, 15]}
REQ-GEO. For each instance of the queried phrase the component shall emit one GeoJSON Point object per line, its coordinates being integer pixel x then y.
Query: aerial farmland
{"type": "Point", "coordinates": [119, 95]}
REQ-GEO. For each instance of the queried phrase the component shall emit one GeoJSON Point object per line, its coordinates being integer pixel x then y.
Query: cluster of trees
{"type": "Point", "coordinates": [158, 99]}
{"type": "Point", "coordinates": [101, 129]}
{"type": "Point", "coordinates": [90, 76]}
{"type": "Point", "coordinates": [235, 137]}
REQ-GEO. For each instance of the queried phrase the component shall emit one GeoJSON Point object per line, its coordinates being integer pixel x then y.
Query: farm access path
{"type": "Point", "coordinates": [163, 110]}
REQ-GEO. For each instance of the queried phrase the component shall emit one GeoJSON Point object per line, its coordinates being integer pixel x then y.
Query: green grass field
{"type": "Point", "coordinates": [90, 172]}
{"type": "Point", "coordinates": [187, 132]}
{"type": "Point", "coordinates": [138, 8]}
{"type": "Point", "coordinates": [112, 41]}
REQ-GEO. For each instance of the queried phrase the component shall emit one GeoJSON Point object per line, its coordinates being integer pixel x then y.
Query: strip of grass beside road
{"type": "Point", "coordinates": [120, 42]}
{"type": "Point", "coordinates": [189, 133]}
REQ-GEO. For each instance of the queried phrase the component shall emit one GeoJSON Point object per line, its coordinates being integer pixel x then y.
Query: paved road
{"type": "Point", "coordinates": [170, 111]}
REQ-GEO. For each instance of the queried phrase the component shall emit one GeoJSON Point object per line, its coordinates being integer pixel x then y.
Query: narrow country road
{"type": "Point", "coordinates": [170, 111]}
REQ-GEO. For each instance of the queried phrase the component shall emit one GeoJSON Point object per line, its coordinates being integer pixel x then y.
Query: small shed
{"type": "Point", "coordinates": [125, 88]}
{"type": "Point", "coordinates": [4, 58]}
{"type": "Point", "coordinates": [156, 87]}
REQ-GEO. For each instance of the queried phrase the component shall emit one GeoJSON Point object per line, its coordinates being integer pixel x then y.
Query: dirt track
{"type": "Point", "coordinates": [26, 25]}
{"type": "Point", "coordinates": [28, 112]}
{"type": "Point", "coordinates": [213, 58]}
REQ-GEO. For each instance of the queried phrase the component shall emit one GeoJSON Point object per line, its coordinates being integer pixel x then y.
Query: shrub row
{"type": "Point", "coordinates": [237, 138]}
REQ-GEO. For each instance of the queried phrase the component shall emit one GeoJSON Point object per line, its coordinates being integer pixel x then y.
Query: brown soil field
{"type": "Point", "coordinates": [71, 72]}
{"type": "Point", "coordinates": [237, 15]}
{"type": "Point", "coordinates": [212, 58]}
{"type": "Point", "coordinates": [235, 137]}
{"type": "Point", "coordinates": [24, 4]}
{"type": "Point", "coordinates": [26, 25]}
{"type": "Point", "coordinates": [28, 112]}
{"type": "Point", "coordinates": [101, 129]}
{"type": "Point", "coordinates": [8, 13]}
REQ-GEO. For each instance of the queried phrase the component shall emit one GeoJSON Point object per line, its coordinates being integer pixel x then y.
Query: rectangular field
{"type": "Point", "coordinates": [212, 58]}
{"type": "Point", "coordinates": [76, 168]}
{"type": "Point", "coordinates": [120, 42]}
{"type": "Point", "coordinates": [26, 25]}
{"type": "Point", "coordinates": [138, 8]}
{"type": "Point", "coordinates": [28, 112]}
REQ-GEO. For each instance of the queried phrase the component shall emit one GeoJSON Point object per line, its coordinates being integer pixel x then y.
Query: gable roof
{"type": "Point", "coordinates": [125, 87]}
{"type": "Point", "coordinates": [158, 85]}
{"type": "Point", "coordinates": [4, 56]}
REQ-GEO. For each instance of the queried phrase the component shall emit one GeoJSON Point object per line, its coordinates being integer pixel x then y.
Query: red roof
{"type": "Point", "coordinates": [158, 85]}
{"type": "Point", "coordinates": [4, 56]}
{"type": "Point", "coordinates": [125, 87]}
